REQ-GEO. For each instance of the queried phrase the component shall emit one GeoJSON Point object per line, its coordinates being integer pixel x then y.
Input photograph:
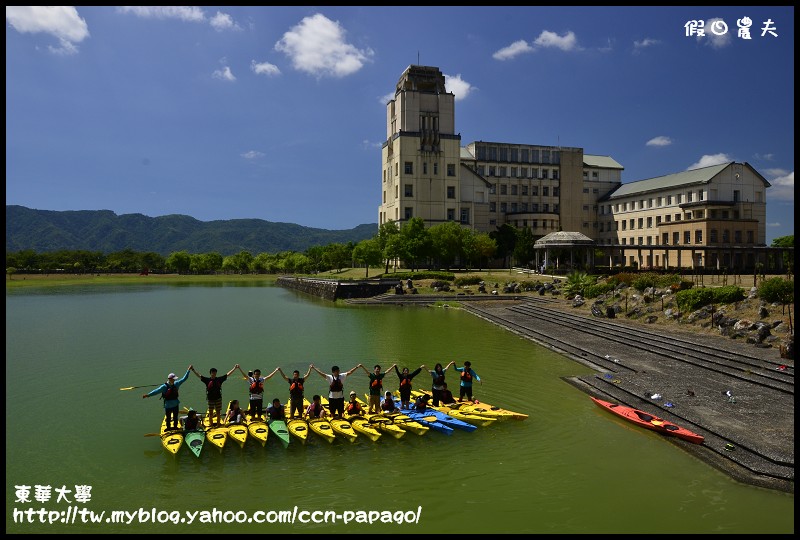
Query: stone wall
{"type": "Point", "coordinates": [334, 290]}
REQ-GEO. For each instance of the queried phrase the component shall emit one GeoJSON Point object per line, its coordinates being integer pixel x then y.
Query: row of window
{"type": "Point", "coordinates": [522, 207]}
{"type": "Point", "coordinates": [524, 172]}
{"type": "Point", "coordinates": [451, 214]}
{"type": "Point", "coordinates": [485, 152]}
{"type": "Point", "coordinates": [408, 168]}
{"type": "Point", "coordinates": [666, 200]}
{"type": "Point", "coordinates": [713, 238]}
{"type": "Point", "coordinates": [523, 190]}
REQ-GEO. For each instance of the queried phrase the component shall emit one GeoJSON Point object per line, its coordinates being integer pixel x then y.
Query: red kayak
{"type": "Point", "coordinates": [649, 421]}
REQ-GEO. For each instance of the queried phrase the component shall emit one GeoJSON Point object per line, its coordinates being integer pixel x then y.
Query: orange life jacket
{"type": "Point", "coordinates": [466, 376]}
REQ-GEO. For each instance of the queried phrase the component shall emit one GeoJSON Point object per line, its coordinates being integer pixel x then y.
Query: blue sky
{"type": "Point", "coordinates": [278, 113]}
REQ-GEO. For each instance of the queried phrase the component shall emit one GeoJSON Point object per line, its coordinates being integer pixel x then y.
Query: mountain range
{"type": "Point", "coordinates": [104, 231]}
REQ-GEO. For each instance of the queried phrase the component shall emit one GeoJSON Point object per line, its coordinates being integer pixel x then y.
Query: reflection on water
{"type": "Point", "coordinates": [568, 468]}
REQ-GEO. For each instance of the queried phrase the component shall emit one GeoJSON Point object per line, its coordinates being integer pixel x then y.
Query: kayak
{"type": "Point", "coordinates": [278, 427]}
{"type": "Point", "coordinates": [383, 423]}
{"type": "Point", "coordinates": [480, 409]}
{"type": "Point", "coordinates": [649, 421]}
{"type": "Point", "coordinates": [237, 432]}
{"type": "Point", "coordinates": [258, 430]}
{"type": "Point", "coordinates": [447, 420]}
{"type": "Point", "coordinates": [474, 419]}
{"type": "Point", "coordinates": [299, 428]}
{"type": "Point", "coordinates": [362, 425]}
{"type": "Point", "coordinates": [194, 440]}
{"type": "Point", "coordinates": [217, 435]}
{"type": "Point", "coordinates": [405, 422]}
{"type": "Point", "coordinates": [171, 439]}
{"type": "Point", "coordinates": [323, 428]}
{"type": "Point", "coordinates": [429, 421]}
{"type": "Point", "coordinates": [344, 428]}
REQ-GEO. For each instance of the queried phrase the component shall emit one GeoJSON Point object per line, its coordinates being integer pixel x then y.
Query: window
{"type": "Point", "coordinates": [660, 201]}
{"type": "Point", "coordinates": [514, 153]}
{"type": "Point", "coordinates": [594, 175]}
{"type": "Point", "coordinates": [491, 170]}
{"type": "Point", "coordinates": [624, 240]}
{"type": "Point", "coordinates": [524, 190]}
{"type": "Point", "coordinates": [409, 213]}
{"type": "Point", "coordinates": [649, 203]}
{"type": "Point", "coordinates": [545, 207]}
{"type": "Point", "coordinates": [503, 207]}
{"type": "Point", "coordinates": [513, 207]}
{"type": "Point", "coordinates": [650, 222]}
{"type": "Point", "coordinates": [492, 207]}
{"type": "Point", "coordinates": [513, 172]}
{"type": "Point", "coordinates": [624, 225]}
{"type": "Point", "coordinates": [665, 239]}
{"type": "Point", "coordinates": [384, 196]}
{"type": "Point", "coordinates": [700, 194]}
{"type": "Point", "coordinates": [676, 238]}
{"type": "Point", "coordinates": [698, 236]}
{"type": "Point", "coordinates": [669, 200]}
{"type": "Point", "coordinates": [595, 191]}
{"type": "Point", "coordinates": [503, 189]}
{"type": "Point", "coordinates": [534, 173]}
{"type": "Point", "coordinates": [749, 237]}
{"type": "Point", "coordinates": [524, 155]}
{"type": "Point", "coordinates": [641, 223]}
{"type": "Point", "coordinates": [630, 223]}
{"type": "Point", "coordinates": [514, 189]}
{"type": "Point", "coordinates": [524, 207]}
{"type": "Point", "coordinates": [396, 166]}
{"type": "Point", "coordinates": [649, 240]}
{"type": "Point", "coordinates": [396, 189]}
{"type": "Point", "coordinates": [493, 189]}
{"type": "Point", "coordinates": [451, 214]}
{"type": "Point", "coordinates": [555, 208]}
{"type": "Point", "coordinates": [502, 171]}
{"type": "Point", "coordinates": [698, 214]}
{"type": "Point", "coordinates": [409, 168]}
{"type": "Point", "coordinates": [535, 207]}
{"type": "Point", "coordinates": [451, 169]}
{"type": "Point", "coordinates": [481, 171]}
{"type": "Point", "coordinates": [545, 173]}
{"type": "Point", "coordinates": [585, 207]}
{"type": "Point", "coordinates": [534, 191]}
{"type": "Point", "coordinates": [668, 218]}
{"type": "Point", "coordinates": [641, 241]}
{"type": "Point", "coordinates": [758, 196]}
{"type": "Point", "coordinates": [465, 215]}
{"type": "Point", "coordinates": [724, 214]}
{"type": "Point", "coordinates": [435, 167]}
{"type": "Point", "coordinates": [492, 222]}
{"type": "Point", "coordinates": [503, 153]}
{"type": "Point", "coordinates": [555, 174]}
{"type": "Point", "coordinates": [451, 192]}
{"type": "Point", "coordinates": [523, 172]}
{"type": "Point", "coordinates": [737, 237]}
{"type": "Point", "coordinates": [535, 224]}
{"type": "Point", "coordinates": [585, 175]}
{"type": "Point", "coordinates": [409, 190]}
{"type": "Point", "coordinates": [689, 197]}
{"type": "Point", "coordinates": [737, 195]}
{"type": "Point", "coordinates": [626, 207]}
{"type": "Point", "coordinates": [687, 237]}
{"type": "Point", "coordinates": [658, 221]}
{"type": "Point", "coordinates": [586, 190]}
{"type": "Point", "coordinates": [425, 168]}
{"type": "Point", "coordinates": [712, 236]}
{"type": "Point", "coordinates": [545, 191]}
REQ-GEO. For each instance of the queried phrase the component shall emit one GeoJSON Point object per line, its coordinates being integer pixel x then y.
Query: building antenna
{"type": "Point", "coordinates": [417, 57]}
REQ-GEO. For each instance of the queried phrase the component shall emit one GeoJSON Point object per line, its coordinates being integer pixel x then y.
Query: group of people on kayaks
{"type": "Point", "coordinates": [169, 392]}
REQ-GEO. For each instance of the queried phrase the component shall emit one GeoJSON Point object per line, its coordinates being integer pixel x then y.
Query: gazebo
{"type": "Point", "coordinates": [573, 241]}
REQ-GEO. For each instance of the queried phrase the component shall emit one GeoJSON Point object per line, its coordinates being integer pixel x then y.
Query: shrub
{"type": "Point", "coordinates": [594, 291]}
{"type": "Point", "coordinates": [467, 280]}
{"type": "Point", "coordinates": [643, 281]}
{"type": "Point", "coordinates": [623, 277]}
{"type": "Point", "coordinates": [449, 276]}
{"type": "Point", "coordinates": [693, 299]}
{"type": "Point", "coordinates": [777, 290]}
{"type": "Point", "coordinates": [728, 294]}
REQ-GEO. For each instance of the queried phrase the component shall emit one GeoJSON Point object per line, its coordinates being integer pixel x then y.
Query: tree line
{"type": "Point", "coordinates": [412, 244]}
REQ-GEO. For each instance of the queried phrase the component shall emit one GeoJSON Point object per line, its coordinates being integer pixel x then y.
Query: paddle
{"type": "Point", "coordinates": [143, 386]}
{"type": "Point", "coordinates": [384, 420]}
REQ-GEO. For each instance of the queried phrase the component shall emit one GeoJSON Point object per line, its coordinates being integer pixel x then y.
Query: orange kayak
{"type": "Point", "coordinates": [649, 421]}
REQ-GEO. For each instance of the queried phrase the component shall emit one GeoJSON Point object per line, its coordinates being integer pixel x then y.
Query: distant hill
{"type": "Point", "coordinates": [103, 230]}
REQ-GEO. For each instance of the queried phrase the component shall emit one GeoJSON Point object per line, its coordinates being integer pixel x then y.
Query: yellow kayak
{"type": "Point", "coordinates": [383, 422]}
{"type": "Point", "coordinates": [216, 435]}
{"type": "Point", "coordinates": [344, 428]}
{"type": "Point", "coordinates": [237, 432]}
{"type": "Point", "coordinates": [362, 425]}
{"type": "Point", "coordinates": [171, 439]}
{"type": "Point", "coordinates": [297, 427]}
{"type": "Point", "coordinates": [323, 428]}
{"type": "Point", "coordinates": [480, 409]}
{"type": "Point", "coordinates": [464, 415]}
{"type": "Point", "coordinates": [258, 429]}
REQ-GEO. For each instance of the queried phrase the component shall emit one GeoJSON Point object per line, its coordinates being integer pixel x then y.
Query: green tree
{"type": "Point", "coordinates": [578, 282]}
{"type": "Point", "coordinates": [368, 253]}
{"type": "Point", "coordinates": [386, 233]}
{"type": "Point", "coordinates": [337, 256]}
{"type": "Point", "coordinates": [416, 241]}
{"type": "Point", "coordinates": [447, 242]}
{"type": "Point", "coordinates": [483, 247]}
{"type": "Point", "coordinates": [523, 250]}
{"type": "Point", "coordinates": [179, 261]}
{"type": "Point", "coordinates": [785, 241]}
{"type": "Point", "coordinates": [506, 239]}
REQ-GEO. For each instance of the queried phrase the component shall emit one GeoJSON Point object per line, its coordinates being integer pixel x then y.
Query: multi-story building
{"type": "Point", "coordinates": [694, 218]}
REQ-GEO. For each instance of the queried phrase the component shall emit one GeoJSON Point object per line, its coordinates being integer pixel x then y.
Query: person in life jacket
{"type": "Point", "coordinates": [336, 388]}
{"type": "Point", "coordinates": [169, 393]}
{"type": "Point", "coordinates": [468, 375]}
{"type": "Point", "coordinates": [376, 387]}
{"type": "Point", "coordinates": [447, 396]}
{"type": "Point", "coordinates": [316, 409]}
{"type": "Point", "coordinates": [235, 413]}
{"type": "Point", "coordinates": [405, 385]}
{"type": "Point", "coordinates": [276, 411]}
{"type": "Point", "coordinates": [421, 403]}
{"type": "Point", "coordinates": [354, 408]}
{"type": "Point", "coordinates": [213, 386]}
{"type": "Point", "coordinates": [296, 390]}
{"type": "Point", "coordinates": [437, 374]}
{"type": "Point", "coordinates": [192, 422]}
{"type": "Point", "coordinates": [255, 385]}
{"type": "Point", "coordinates": [387, 405]}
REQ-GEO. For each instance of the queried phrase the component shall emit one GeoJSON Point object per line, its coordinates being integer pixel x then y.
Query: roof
{"type": "Point", "coordinates": [465, 154]}
{"type": "Point", "coordinates": [563, 238]}
{"type": "Point", "coordinates": [695, 176]}
{"type": "Point", "coordinates": [601, 162]}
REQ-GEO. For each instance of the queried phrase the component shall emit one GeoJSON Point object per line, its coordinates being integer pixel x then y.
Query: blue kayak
{"type": "Point", "coordinates": [420, 417]}
{"type": "Point", "coordinates": [441, 417]}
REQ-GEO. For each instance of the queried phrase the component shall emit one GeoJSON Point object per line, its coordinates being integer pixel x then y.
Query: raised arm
{"type": "Point", "coordinates": [282, 374]}
{"type": "Point", "coordinates": [274, 371]}
{"type": "Point", "coordinates": [348, 373]}
{"type": "Point", "coordinates": [185, 376]}
{"type": "Point", "coordinates": [365, 369]}
{"type": "Point", "coordinates": [229, 373]}
{"type": "Point", "coordinates": [415, 372]}
{"type": "Point", "coordinates": [452, 363]}
{"type": "Point", "coordinates": [397, 371]}
{"type": "Point", "coordinates": [310, 367]}
{"type": "Point", "coordinates": [194, 371]}
{"type": "Point", "coordinates": [240, 369]}
{"type": "Point", "coordinates": [321, 374]}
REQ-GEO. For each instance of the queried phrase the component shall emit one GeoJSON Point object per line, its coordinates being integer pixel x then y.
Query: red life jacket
{"type": "Point", "coordinates": [336, 385]}
{"type": "Point", "coordinates": [466, 376]}
{"type": "Point", "coordinates": [405, 382]}
{"type": "Point", "coordinates": [171, 392]}
{"type": "Point", "coordinates": [354, 407]}
{"type": "Point", "coordinates": [315, 410]}
{"type": "Point", "coordinates": [257, 387]}
{"type": "Point", "coordinates": [377, 383]}
{"type": "Point", "coordinates": [296, 387]}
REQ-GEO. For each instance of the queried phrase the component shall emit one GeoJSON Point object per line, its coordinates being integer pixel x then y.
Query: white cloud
{"type": "Point", "coordinates": [716, 41]}
{"type": "Point", "coordinates": [764, 157]}
{"type": "Point", "coordinates": [459, 87]}
{"type": "Point", "coordinates": [386, 98]}
{"type": "Point", "coordinates": [515, 49]}
{"type": "Point", "coordinates": [62, 22]}
{"type": "Point", "coordinates": [776, 172]}
{"type": "Point", "coordinates": [567, 42]}
{"type": "Point", "coordinates": [252, 154]}
{"type": "Point", "coordinates": [661, 140]}
{"type": "Point", "coordinates": [317, 46]}
{"type": "Point", "coordinates": [369, 145]}
{"type": "Point", "coordinates": [646, 42]}
{"type": "Point", "coordinates": [222, 21]}
{"type": "Point", "coordinates": [710, 159]}
{"type": "Point", "coordinates": [782, 187]}
{"type": "Point", "coordinates": [264, 68]}
{"type": "Point", "coordinates": [776, 224]}
{"type": "Point", "coordinates": [183, 13]}
{"type": "Point", "coordinates": [224, 74]}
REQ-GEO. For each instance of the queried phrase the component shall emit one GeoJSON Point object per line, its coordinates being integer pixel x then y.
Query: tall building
{"type": "Point", "coordinates": [705, 217]}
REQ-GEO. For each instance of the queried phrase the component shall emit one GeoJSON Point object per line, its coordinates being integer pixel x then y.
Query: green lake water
{"type": "Point", "coordinates": [569, 468]}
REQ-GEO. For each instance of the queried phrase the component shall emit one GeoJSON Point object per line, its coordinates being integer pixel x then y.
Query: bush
{"type": "Point", "coordinates": [643, 281]}
{"type": "Point", "coordinates": [694, 299]}
{"type": "Point", "coordinates": [728, 294]}
{"type": "Point", "coordinates": [467, 280]}
{"type": "Point", "coordinates": [449, 276]}
{"type": "Point", "coordinates": [623, 277]}
{"type": "Point", "coordinates": [777, 290]}
{"type": "Point", "coordinates": [594, 291]}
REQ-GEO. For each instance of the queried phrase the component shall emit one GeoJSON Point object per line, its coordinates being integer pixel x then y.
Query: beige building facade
{"type": "Point", "coordinates": [705, 217]}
